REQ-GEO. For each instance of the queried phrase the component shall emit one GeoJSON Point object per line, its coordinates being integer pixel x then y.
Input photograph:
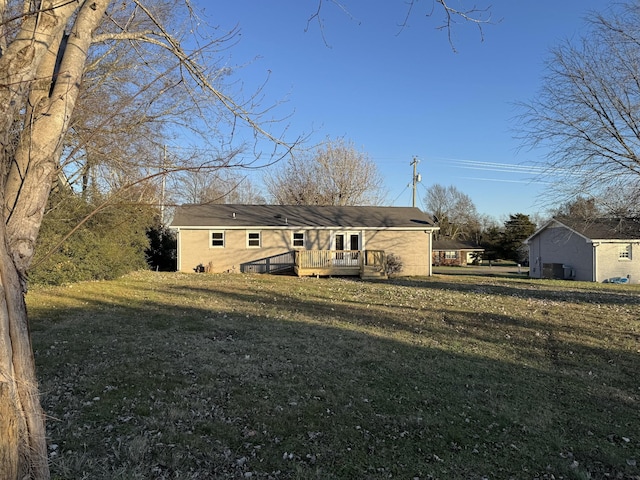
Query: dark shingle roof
{"type": "Point", "coordinates": [448, 244]}
{"type": "Point", "coordinates": [604, 228]}
{"type": "Point", "coordinates": [300, 216]}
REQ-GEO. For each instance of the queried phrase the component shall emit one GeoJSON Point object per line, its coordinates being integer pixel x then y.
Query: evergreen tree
{"type": "Point", "coordinates": [161, 253]}
{"type": "Point", "coordinates": [518, 228]}
{"type": "Point", "coordinates": [492, 243]}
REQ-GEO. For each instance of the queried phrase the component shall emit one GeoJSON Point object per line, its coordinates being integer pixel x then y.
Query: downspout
{"type": "Point", "coordinates": [430, 252]}
{"type": "Point", "coordinates": [362, 259]}
{"type": "Point", "coordinates": [178, 263]}
{"type": "Point", "coordinates": [535, 268]}
{"type": "Point", "coordinates": [594, 263]}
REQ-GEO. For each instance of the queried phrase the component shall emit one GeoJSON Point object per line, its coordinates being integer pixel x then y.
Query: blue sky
{"type": "Point", "coordinates": [399, 93]}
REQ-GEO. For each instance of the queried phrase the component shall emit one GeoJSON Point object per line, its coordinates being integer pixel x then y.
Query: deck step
{"type": "Point", "coordinates": [372, 271]}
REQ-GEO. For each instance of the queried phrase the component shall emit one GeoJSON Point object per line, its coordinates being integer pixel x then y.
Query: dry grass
{"type": "Point", "coordinates": [241, 376]}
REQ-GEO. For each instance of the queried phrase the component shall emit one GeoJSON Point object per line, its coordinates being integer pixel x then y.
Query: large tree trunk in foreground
{"type": "Point", "coordinates": [23, 451]}
{"type": "Point", "coordinates": [40, 74]}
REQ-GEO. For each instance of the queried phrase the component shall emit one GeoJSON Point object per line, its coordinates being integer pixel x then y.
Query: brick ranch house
{"type": "Point", "coordinates": [311, 240]}
{"type": "Point", "coordinates": [454, 252]}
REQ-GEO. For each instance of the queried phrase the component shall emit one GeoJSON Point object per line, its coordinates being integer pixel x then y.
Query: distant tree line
{"type": "Point", "coordinates": [458, 218]}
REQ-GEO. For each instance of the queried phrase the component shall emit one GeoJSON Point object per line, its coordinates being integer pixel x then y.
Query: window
{"type": "Point", "coordinates": [624, 252]}
{"type": "Point", "coordinates": [253, 239]}
{"type": "Point", "coordinates": [298, 239]}
{"type": "Point", "coordinates": [217, 239]}
{"type": "Point", "coordinates": [451, 254]}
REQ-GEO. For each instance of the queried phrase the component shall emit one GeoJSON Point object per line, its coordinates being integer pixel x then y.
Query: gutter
{"type": "Point", "coordinates": [300, 227]}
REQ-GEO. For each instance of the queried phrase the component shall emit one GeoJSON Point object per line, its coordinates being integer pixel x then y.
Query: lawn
{"type": "Point", "coordinates": [159, 376]}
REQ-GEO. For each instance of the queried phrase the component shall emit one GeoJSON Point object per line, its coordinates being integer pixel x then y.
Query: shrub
{"type": "Point", "coordinates": [110, 243]}
{"type": "Point", "coordinates": [394, 264]}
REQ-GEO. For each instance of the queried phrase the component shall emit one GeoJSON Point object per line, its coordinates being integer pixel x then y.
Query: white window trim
{"type": "Point", "coordinates": [625, 252]}
{"type": "Point", "coordinates": [224, 238]}
{"type": "Point", "coordinates": [254, 232]}
{"type": "Point", "coordinates": [347, 236]}
{"type": "Point", "coordinates": [304, 239]}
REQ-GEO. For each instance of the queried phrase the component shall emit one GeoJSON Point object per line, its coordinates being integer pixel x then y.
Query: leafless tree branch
{"type": "Point", "coordinates": [587, 114]}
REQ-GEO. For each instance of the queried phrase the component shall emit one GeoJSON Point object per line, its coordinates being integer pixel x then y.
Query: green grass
{"type": "Point", "coordinates": [240, 376]}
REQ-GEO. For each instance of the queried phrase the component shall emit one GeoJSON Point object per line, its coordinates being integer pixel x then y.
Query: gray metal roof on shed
{"type": "Point", "coordinates": [303, 216]}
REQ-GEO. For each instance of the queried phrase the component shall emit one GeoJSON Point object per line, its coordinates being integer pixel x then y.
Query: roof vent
{"type": "Point", "coordinates": [233, 214]}
{"type": "Point", "coordinates": [286, 221]}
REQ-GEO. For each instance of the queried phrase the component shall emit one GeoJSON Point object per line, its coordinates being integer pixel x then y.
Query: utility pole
{"type": "Point", "coordinates": [164, 185]}
{"type": "Point", "coordinates": [416, 179]}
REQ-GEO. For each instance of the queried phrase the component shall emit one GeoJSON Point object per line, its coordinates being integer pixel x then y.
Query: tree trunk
{"type": "Point", "coordinates": [46, 68]}
{"type": "Point", "coordinates": [23, 451]}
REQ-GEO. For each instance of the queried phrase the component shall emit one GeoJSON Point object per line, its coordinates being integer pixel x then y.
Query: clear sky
{"type": "Point", "coordinates": [399, 93]}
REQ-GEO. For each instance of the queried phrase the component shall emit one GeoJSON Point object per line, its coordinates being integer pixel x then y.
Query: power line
{"type": "Point", "coordinates": [477, 165]}
{"type": "Point", "coordinates": [401, 193]}
{"type": "Point", "coordinates": [491, 166]}
{"type": "Point", "coordinates": [482, 179]}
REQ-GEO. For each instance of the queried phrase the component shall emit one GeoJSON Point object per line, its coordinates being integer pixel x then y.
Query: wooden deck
{"type": "Point", "coordinates": [324, 263]}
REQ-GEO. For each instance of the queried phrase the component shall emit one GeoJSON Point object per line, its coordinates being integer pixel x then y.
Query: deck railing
{"type": "Point", "coordinates": [335, 260]}
{"type": "Point", "coordinates": [375, 258]}
{"type": "Point", "coordinates": [328, 258]}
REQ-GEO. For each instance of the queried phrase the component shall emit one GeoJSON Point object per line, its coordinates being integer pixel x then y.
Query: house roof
{"type": "Point", "coordinates": [448, 244]}
{"type": "Point", "coordinates": [301, 216]}
{"type": "Point", "coordinates": [598, 228]}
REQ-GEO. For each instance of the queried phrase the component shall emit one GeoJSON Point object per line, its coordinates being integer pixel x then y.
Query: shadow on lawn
{"type": "Point", "coordinates": [531, 341]}
{"type": "Point", "coordinates": [344, 390]}
{"type": "Point", "coordinates": [537, 289]}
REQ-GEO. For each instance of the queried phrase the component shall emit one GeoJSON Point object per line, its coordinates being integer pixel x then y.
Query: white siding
{"type": "Point", "coordinates": [609, 264]}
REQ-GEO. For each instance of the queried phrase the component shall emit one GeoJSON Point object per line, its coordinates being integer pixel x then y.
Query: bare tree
{"type": "Point", "coordinates": [336, 174]}
{"type": "Point", "coordinates": [473, 15]}
{"type": "Point", "coordinates": [118, 124]}
{"type": "Point", "coordinates": [587, 114]}
{"type": "Point", "coordinates": [455, 212]}
{"type": "Point", "coordinates": [614, 202]}
{"type": "Point", "coordinates": [582, 208]}
{"type": "Point", "coordinates": [244, 191]}
{"type": "Point", "coordinates": [621, 202]}
{"type": "Point", "coordinates": [125, 113]}
{"type": "Point", "coordinates": [215, 186]}
{"type": "Point", "coordinates": [47, 48]}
